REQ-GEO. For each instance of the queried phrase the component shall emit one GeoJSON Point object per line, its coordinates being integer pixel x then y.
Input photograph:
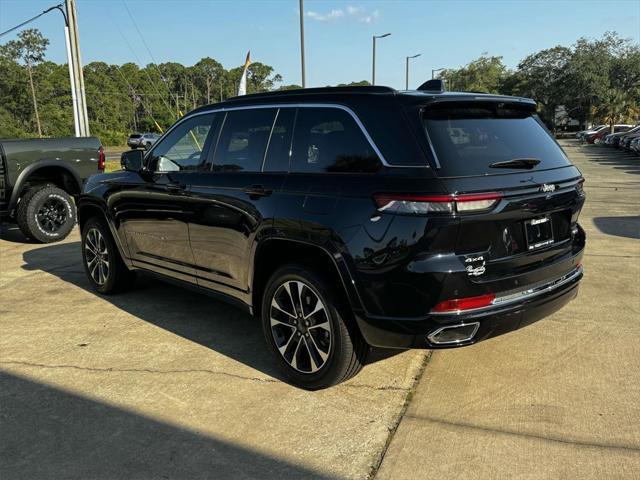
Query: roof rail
{"type": "Point", "coordinates": [305, 91]}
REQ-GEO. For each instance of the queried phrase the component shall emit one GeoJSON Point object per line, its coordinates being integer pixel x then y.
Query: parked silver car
{"type": "Point", "coordinates": [142, 140]}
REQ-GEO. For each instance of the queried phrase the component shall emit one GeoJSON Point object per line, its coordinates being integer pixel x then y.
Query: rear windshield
{"type": "Point", "coordinates": [135, 135]}
{"type": "Point", "coordinates": [468, 138]}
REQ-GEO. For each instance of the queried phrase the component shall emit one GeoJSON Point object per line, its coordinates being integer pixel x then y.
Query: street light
{"type": "Point", "coordinates": [304, 73]}
{"type": "Point", "coordinates": [434, 70]}
{"type": "Point", "coordinates": [373, 66]}
{"type": "Point", "coordinates": [407, 74]}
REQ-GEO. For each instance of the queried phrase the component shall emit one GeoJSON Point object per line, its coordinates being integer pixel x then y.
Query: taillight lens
{"type": "Point", "coordinates": [468, 303]}
{"type": "Point", "coordinates": [420, 204]}
{"type": "Point", "coordinates": [101, 160]}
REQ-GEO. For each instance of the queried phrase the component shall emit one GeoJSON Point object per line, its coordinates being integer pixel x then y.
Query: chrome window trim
{"type": "Point", "coordinates": [266, 149]}
{"type": "Point", "coordinates": [520, 296]}
{"type": "Point", "coordinates": [433, 151]}
{"type": "Point", "coordinates": [291, 105]}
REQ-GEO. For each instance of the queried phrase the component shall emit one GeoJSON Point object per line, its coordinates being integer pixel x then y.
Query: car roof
{"type": "Point", "coordinates": [355, 95]}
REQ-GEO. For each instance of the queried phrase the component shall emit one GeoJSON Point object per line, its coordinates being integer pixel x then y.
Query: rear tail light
{"type": "Point", "coordinates": [460, 304]}
{"type": "Point", "coordinates": [101, 160]}
{"type": "Point", "coordinates": [420, 204]}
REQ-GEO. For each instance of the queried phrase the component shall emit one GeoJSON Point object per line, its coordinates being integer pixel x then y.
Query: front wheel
{"type": "Point", "coordinates": [102, 262]}
{"type": "Point", "coordinates": [308, 329]}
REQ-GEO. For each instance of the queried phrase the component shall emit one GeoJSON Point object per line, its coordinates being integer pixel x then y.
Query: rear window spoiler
{"type": "Point", "coordinates": [528, 103]}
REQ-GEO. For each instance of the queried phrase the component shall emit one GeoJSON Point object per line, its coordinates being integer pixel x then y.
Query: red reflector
{"type": "Point", "coordinates": [464, 303]}
{"type": "Point", "coordinates": [383, 199]}
{"type": "Point", "coordinates": [101, 160]}
{"type": "Point", "coordinates": [474, 197]}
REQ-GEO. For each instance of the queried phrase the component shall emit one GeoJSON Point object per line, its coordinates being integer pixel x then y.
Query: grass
{"type": "Point", "coordinates": [111, 165]}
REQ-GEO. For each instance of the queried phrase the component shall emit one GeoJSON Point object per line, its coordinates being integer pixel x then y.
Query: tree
{"type": "Point", "coordinates": [542, 77]}
{"type": "Point", "coordinates": [589, 74]}
{"type": "Point", "coordinates": [485, 74]}
{"type": "Point", "coordinates": [361, 83]}
{"type": "Point", "coordinates": [617, 106]}
{"type": "Point", "coordinates": [30, 47]}
{"type": "Point", "coordinates": [208, 75]}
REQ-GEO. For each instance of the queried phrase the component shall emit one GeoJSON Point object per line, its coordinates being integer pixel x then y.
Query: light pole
{"type": "Point", "coordinates": [434, 70]}
{"type": "Point", "coordinates": [373, 63]}
{"type": "Point", "coordinates": [304, 75]}
{"type": "Point", "coordinates": [407, 70]}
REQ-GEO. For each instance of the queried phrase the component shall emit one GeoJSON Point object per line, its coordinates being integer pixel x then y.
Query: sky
{"type": "Point", "coordinates": [338, 34]}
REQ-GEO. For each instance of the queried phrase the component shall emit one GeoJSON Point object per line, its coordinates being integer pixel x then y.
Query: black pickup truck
{"type": "Point", "coordinates": [39, 177]}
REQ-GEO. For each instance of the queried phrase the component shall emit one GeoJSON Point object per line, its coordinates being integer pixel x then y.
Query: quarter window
{"type": "Point", "coordinates": [185, 147]}
{"type": "Point", "coordinates": [243, 140]}
{"type": "Point", "coordinates": [329, 140]}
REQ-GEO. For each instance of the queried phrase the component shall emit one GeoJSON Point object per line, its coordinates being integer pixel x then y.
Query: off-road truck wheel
{"type": "Point", "coordinates": [103, 265]}
{"type": "Point", "coordinates": [308, 330]}
{"type": "Point", "coordinates": [46, 213]}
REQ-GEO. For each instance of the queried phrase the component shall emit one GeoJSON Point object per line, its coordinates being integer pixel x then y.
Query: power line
{"type": "Point", "coordinates": [59, 6]}
{"type": "Point", "coordinates": [144, 70]}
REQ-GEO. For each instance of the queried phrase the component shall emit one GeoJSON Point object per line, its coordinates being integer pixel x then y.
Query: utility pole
{"type": "Point", "coordinates": [373, 60]}
{"type": "Point", "coordinates": [81, 119]}
{"type": "Point", "coordinates": [304, 74]}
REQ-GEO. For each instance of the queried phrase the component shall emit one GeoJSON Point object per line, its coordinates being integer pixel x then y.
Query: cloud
{"type": "Point", "coordinates": [332, 15]}
{"type": "Point", "coordinates": [363, 15]}
{"type": "Point", "coordinates": [359, 14]}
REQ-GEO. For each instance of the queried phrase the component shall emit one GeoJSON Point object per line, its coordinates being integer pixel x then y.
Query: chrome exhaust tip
{"type": "Point", "coordinates": [454, 334]}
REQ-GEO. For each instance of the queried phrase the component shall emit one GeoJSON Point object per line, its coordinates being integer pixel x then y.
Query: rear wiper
{"type": "Point", "coordinates": [528, 163]}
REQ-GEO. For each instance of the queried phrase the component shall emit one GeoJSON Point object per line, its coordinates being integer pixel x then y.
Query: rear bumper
{"type": "Point", "coordinates": [505, 316]}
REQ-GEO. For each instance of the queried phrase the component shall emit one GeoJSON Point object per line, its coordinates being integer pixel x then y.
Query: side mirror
{"type": "Point", "coordinates": [132, 160]}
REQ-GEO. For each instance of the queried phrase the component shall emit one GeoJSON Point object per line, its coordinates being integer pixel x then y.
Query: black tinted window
{"type": "Point", "coordinates": [185, 147]}
{"type": "Point", "coordinates": [277, 159]}
{"type": "Point", "coordinates": [329, 140]}
{"type": "Point", "coordinates": [243, 140]}
{"type": "Point", "coordinates": [467, 139]}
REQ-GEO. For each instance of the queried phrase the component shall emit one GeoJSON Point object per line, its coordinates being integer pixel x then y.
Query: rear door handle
{"type": "Point", "coordinates": [257, 191]}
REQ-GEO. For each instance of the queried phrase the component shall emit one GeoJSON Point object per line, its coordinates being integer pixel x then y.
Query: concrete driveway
{"type": "Point", "coordinates": [560, 398]}
{"type": "Point", "coordinates": [165, 383]}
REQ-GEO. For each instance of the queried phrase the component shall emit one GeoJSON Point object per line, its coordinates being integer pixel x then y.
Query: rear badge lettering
{"type": "Point", "coordinates": [475, 270]}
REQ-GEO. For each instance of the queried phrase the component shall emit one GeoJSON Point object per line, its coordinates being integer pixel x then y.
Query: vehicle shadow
{"type": "Point", "coordinates": [11, 233]}
{"type": "Point", "coordinates": [192, 315]}
{"type": "Point", "coordinates": [618, 159]}
{"type": "Point", "coordinates": [628, 227]}
{"type": "Point", "coordinates": [50, 433]}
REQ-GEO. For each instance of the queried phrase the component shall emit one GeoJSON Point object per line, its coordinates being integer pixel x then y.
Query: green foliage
{"type": "Point", "coordinates": [594, 80]}
{"type": "Point", "coordinates": [486, 75]}
{"type": "Point", "coordinates": [120, 98]}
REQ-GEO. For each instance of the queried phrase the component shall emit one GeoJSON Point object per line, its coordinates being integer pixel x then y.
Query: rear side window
{"type": "Point", "coordinates": [467, 139]}
{"type": "Point", "coordinates": [329, 140]}
{"type": "Point", "coordinates": [243, 140]}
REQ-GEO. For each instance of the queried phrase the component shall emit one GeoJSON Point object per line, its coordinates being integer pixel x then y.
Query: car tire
{"type": "Point", "coordinates": [147, 145]}
{"type": "Point", "coordinates": [102, 262]}
{"type": "Point", "coordinates": [46, 213]}
{"type": "Point", "coordinates": [313, 350]}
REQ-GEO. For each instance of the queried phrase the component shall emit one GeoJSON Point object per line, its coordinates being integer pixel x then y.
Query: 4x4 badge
{"type": "Point", "coordinates": [477, 269]}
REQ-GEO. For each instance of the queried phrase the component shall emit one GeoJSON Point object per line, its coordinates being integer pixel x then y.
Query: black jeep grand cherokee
{"type": "Point", "coordinates": [349, 217]}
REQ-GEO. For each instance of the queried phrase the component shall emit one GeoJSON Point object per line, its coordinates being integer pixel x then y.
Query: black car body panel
{"type": "Point", "coordinates": [207, 226]}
